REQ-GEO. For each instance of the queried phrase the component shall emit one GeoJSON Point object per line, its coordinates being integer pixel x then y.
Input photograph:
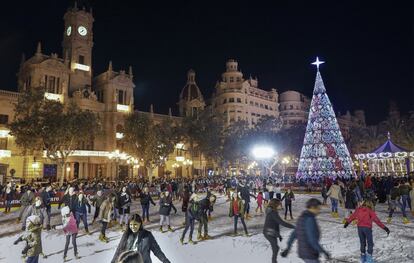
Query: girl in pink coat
{"type": "Point", "coordinates": [71, 231]}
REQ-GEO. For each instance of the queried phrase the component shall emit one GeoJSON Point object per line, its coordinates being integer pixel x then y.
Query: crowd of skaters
{"type": "Point", "coordinates": [355, 198]}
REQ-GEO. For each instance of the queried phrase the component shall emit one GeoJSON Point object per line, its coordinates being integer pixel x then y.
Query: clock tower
{"type": "Point", "coordinates": [77, 47]}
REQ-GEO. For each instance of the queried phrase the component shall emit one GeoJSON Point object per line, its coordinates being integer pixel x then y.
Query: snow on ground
{"type": "Point", "coordinates": [342, 243]}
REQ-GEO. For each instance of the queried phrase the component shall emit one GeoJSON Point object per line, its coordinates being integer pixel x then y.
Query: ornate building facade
{"type": "Point", "coordinates": [236, 98]}
{"type": "Point", "coordinates": [69, 79]}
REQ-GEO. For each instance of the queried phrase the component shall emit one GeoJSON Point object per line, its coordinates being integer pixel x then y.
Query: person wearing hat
{"type": "Point", "coordinates": [137, 239]}
{"type": "Point", "coordinates": [308, 234]}
{"type": "Point", "coordinates": [33, 240]}
{"type": "Point", "coordinates": [271, 229]}
{"type": "Point", "coordinates": [70, 229]}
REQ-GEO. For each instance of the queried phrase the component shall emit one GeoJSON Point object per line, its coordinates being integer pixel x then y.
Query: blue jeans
{"type": "Point", "coordinates": [145, 211]}
{"type": "Point", "coordinates": [84, 219]}
{"type": "Point", "coordinates": [34, 259]}
{"type": "Point", "coordinates": [365, 236]}
{"type": "Point", "coordinates": [405, 203]}
{"type": "Point", "coordinates": [334, 204]}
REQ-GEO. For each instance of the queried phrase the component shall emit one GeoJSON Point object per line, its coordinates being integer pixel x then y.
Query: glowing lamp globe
{"type": "Point", "coordinates": [263, 152]}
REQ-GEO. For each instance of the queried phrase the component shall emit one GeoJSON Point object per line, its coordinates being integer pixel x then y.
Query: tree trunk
{"type": "Point", "coordinates": [62, 175]}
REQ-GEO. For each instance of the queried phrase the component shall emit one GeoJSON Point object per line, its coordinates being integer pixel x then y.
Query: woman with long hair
{"type": "Point", "coordinates": [137, 239]}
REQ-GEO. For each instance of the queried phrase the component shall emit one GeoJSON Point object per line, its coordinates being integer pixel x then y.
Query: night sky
{"type": "Point", "coordinates": [367, 46]}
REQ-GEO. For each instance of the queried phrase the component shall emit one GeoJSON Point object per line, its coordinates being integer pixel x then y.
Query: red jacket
{"type": "Point", "coordinates": [365, 217]}
{"type": "Point", "coordinates": [368, 182]}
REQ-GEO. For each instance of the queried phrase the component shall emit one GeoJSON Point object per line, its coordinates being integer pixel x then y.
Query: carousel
{"type": "Point", "coordinates": [388, 159]}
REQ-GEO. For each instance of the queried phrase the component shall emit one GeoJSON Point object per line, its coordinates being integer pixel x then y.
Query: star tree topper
{"type": "Point", "coordinates": [318, 62]}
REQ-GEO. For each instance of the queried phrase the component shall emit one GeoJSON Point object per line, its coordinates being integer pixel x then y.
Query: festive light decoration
{"type": "Point", "coordinates": [324, 153]}
{"type": "Point", "coordinates": [263, 152]}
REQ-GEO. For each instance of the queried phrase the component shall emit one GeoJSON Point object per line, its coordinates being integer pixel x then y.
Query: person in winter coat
{"type": "Point", "coordinates": [259, 200]}
{"type": "Point", "coordinates": [308, 234]}
{"type": "Point", "coordinates": [69, 199]}
{"type": "Point", "coordinates": [335, 195]}
{"type": "Point", "coordinates": [46, 195]}
{"type": "Point", "coordinates": [350, 201]}
{"type": "Point", "coordinates": [124, 207]}
{"type": "Point", "coordinates": [278, 191]}
{"type": "Point", "coordinates": [38, 210]}
{"type": "Point", "coordinates": [26, 200]}
{"type": "Point", "coordinates": [136, 238]}
{"type": "Point", "coordinates": [81, 214]}
{"type": "Point", "coordinates": [70, 229]}
{"type": "Point", "coordinates": [395, 195]}
{"type": "Point", "coordinates": [146, 199]}
{"type": "Point", "coordinates": [186, 199]}
{"type": "Point", "coordinates": [105, 214]}
{"type": "Point", "coordinates": [8, 196]}
{"type": "Point", "coordinates": [191, 215]}
{"type": "Point", "coordinates": [365, 215]}
{"type": "Point", "coordinates": [33, 240]}
{"type": "Point", "coordinates": [237, 211]}
{"type": "Point", "coordinates": [244, 191]}
{"type": "Point", "coordinates": [97, 201]}
{"type": "Point", "coordinates": [289, 197]}
{"type": "Point", "coordinates": [272, 224]}
{"type": "Point", "coordinates": [166, 205]}
{"type": "Point", "coordinates": [206, 206]}
{"type": "Point", "coordinates": [405, 189]}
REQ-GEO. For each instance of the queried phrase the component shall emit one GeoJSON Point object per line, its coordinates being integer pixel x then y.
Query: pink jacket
{"type": "Point", "coordinates": [69, 225]}
{"type": "Point", "coordinates": [260, 199]}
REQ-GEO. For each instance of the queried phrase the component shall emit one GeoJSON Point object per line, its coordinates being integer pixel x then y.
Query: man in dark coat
{"type": "Point", "coordinates": [308, 235]}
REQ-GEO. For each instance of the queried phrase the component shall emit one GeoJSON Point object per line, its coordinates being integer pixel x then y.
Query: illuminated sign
{"type": "Point", "coordinates": [53, 96]}
{"type": "Point", "coordinates": [122, 108]}
{"type": "Point", "coordinates": [119, 135]}
{"type": "Point", "coordinates": [80, 66]}
{"type": "Point", "coordinates": [180, 158]}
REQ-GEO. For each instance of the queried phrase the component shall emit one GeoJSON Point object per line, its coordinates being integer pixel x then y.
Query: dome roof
{"type": "Point", "coordinates": [191, 90]}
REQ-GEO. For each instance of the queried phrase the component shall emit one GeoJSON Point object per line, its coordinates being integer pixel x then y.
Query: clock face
{"type": "Point", "coordinates": [82, 31]}
{"type": "Point", "coordinates": [68, 30]}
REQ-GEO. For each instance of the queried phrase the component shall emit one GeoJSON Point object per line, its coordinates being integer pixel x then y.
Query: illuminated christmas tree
{"type": "Point", "coordinates": [324, 153]}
